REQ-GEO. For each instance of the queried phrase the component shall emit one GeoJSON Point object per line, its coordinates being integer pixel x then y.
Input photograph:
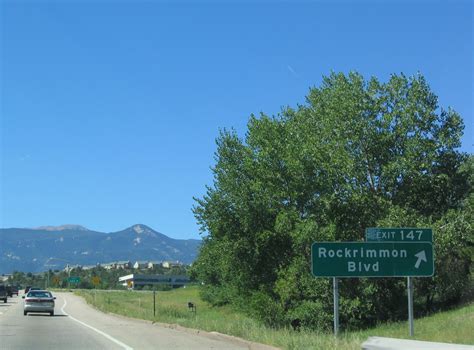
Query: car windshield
{"type": "Point", "coordinates": [40, 295]}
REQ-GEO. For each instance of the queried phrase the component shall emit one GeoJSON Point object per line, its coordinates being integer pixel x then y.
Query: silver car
{"type": "Point", "coordinates": [39, 301]}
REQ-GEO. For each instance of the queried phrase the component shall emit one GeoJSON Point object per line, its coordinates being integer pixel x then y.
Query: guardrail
{"type": "Point", "coordinates": [381, 343]}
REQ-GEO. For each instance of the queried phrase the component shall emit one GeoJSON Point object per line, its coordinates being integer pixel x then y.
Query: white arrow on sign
{"type": "Point", "coordinates": [421, 257]}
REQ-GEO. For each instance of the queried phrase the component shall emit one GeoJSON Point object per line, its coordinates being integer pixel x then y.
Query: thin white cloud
{"type": "Point", "coordinates": [292, 71]}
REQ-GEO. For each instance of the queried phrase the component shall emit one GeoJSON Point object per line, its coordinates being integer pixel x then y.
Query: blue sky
{"type": "Point", "coordinates": [109, 112]}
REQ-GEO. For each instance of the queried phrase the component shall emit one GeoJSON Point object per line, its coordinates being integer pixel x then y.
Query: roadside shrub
{"type": "Point", "coordinates": [217, 296]}
{"type": "Point", "coordinates": [266, 309]}
{"type": "Point", "coordinates": [311, 315]}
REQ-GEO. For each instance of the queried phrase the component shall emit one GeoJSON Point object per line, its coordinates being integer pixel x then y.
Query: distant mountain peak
{"type": "Point", "coordinates": [138, 228]}
{"type": "Point", "coordinates": [62, 228]}
{"type": "Point", "coordinates": [141, 229]}
{"type": "Point", "coordinates": [32, 250]}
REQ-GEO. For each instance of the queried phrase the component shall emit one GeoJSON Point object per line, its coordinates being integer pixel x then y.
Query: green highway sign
{"type": "Point", "coordinates": [372, 259]}
{"type": "Point", "coordinates": [399, 234]}
{"type": "Point", "coordinates": [74, 279]}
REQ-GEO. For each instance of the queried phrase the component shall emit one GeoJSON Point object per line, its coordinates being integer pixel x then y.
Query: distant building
{"type": "Point", "coordinates": [170, 264]}
{"type": "Point", "coordinates": [69, 268]}
{"type": "Point", "coordinates": [123, 264]}
{"type": "Point", "coordinates": [153, 264]}
{"type": "Point", "coordinates": [89, 267]}
{"type": "Point", "coordinates": [140, 265]}
{"type": "Point", "coordinates": [134, 280]}
{"type": "Point", "coordinates": [109, 266]}
{"type": "Point", "coordinates": [5, 277]}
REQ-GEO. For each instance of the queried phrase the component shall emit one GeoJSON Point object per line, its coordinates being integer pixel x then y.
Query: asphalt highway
{"type": "Point", "coordinates": [76, 325]}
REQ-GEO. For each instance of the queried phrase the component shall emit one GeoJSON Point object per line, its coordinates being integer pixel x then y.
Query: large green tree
{"type": "Point", "coordinates": [357, 154]}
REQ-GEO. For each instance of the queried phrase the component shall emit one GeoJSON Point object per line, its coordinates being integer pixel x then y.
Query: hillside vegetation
{"type": "Point", "coordinates": [359, 153]}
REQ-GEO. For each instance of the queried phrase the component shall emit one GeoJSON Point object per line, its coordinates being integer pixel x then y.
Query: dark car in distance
{"type": "Point", "coordinates": [15, 290]}
{"type": "Point", "coordinates": [12, 290]}
{"type": "Point", "coordinates": [3, 293]}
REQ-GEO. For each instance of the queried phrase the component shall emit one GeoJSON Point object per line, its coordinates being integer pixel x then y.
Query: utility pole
{"type": "Point", "coordinates": [68, 277]}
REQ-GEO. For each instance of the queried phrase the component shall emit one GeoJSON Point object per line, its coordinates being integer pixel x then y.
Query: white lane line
{"type": "Point", "coordinates": [118, 342]}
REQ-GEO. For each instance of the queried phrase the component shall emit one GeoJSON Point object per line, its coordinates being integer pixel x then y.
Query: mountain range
{"type": "Point", "coordinates": [53, 247]}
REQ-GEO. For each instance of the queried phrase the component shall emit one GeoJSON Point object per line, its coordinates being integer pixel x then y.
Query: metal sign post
{"type": "Point", "coordinates": [335, 286]}
{"type": "Point", "coordinates": [410, 306]}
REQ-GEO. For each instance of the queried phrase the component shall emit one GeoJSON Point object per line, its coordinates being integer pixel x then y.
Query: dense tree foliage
{"type": "Point", "coordinates": [357, 154]}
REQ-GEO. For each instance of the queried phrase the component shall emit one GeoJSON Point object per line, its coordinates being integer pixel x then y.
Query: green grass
{"type": "Point", "coordinates": [455, 326]}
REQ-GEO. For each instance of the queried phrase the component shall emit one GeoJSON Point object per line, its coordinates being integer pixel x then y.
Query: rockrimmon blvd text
{"type": "Point", "coordinates": [361, 253]}
{"type": "Point", "coordinates": [352, 266]}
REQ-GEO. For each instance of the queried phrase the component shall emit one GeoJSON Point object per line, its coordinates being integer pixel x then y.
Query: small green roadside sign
{"type": "Point", "coordinates": [74, 279]}
{"type": "Point", "coordinates": [405, 234]}
{"type": "Point", "coordinates": [372, 259]}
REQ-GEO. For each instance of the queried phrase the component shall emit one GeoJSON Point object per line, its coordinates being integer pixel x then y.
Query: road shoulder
{"type": "Point", "coordinates": [216, 338]}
